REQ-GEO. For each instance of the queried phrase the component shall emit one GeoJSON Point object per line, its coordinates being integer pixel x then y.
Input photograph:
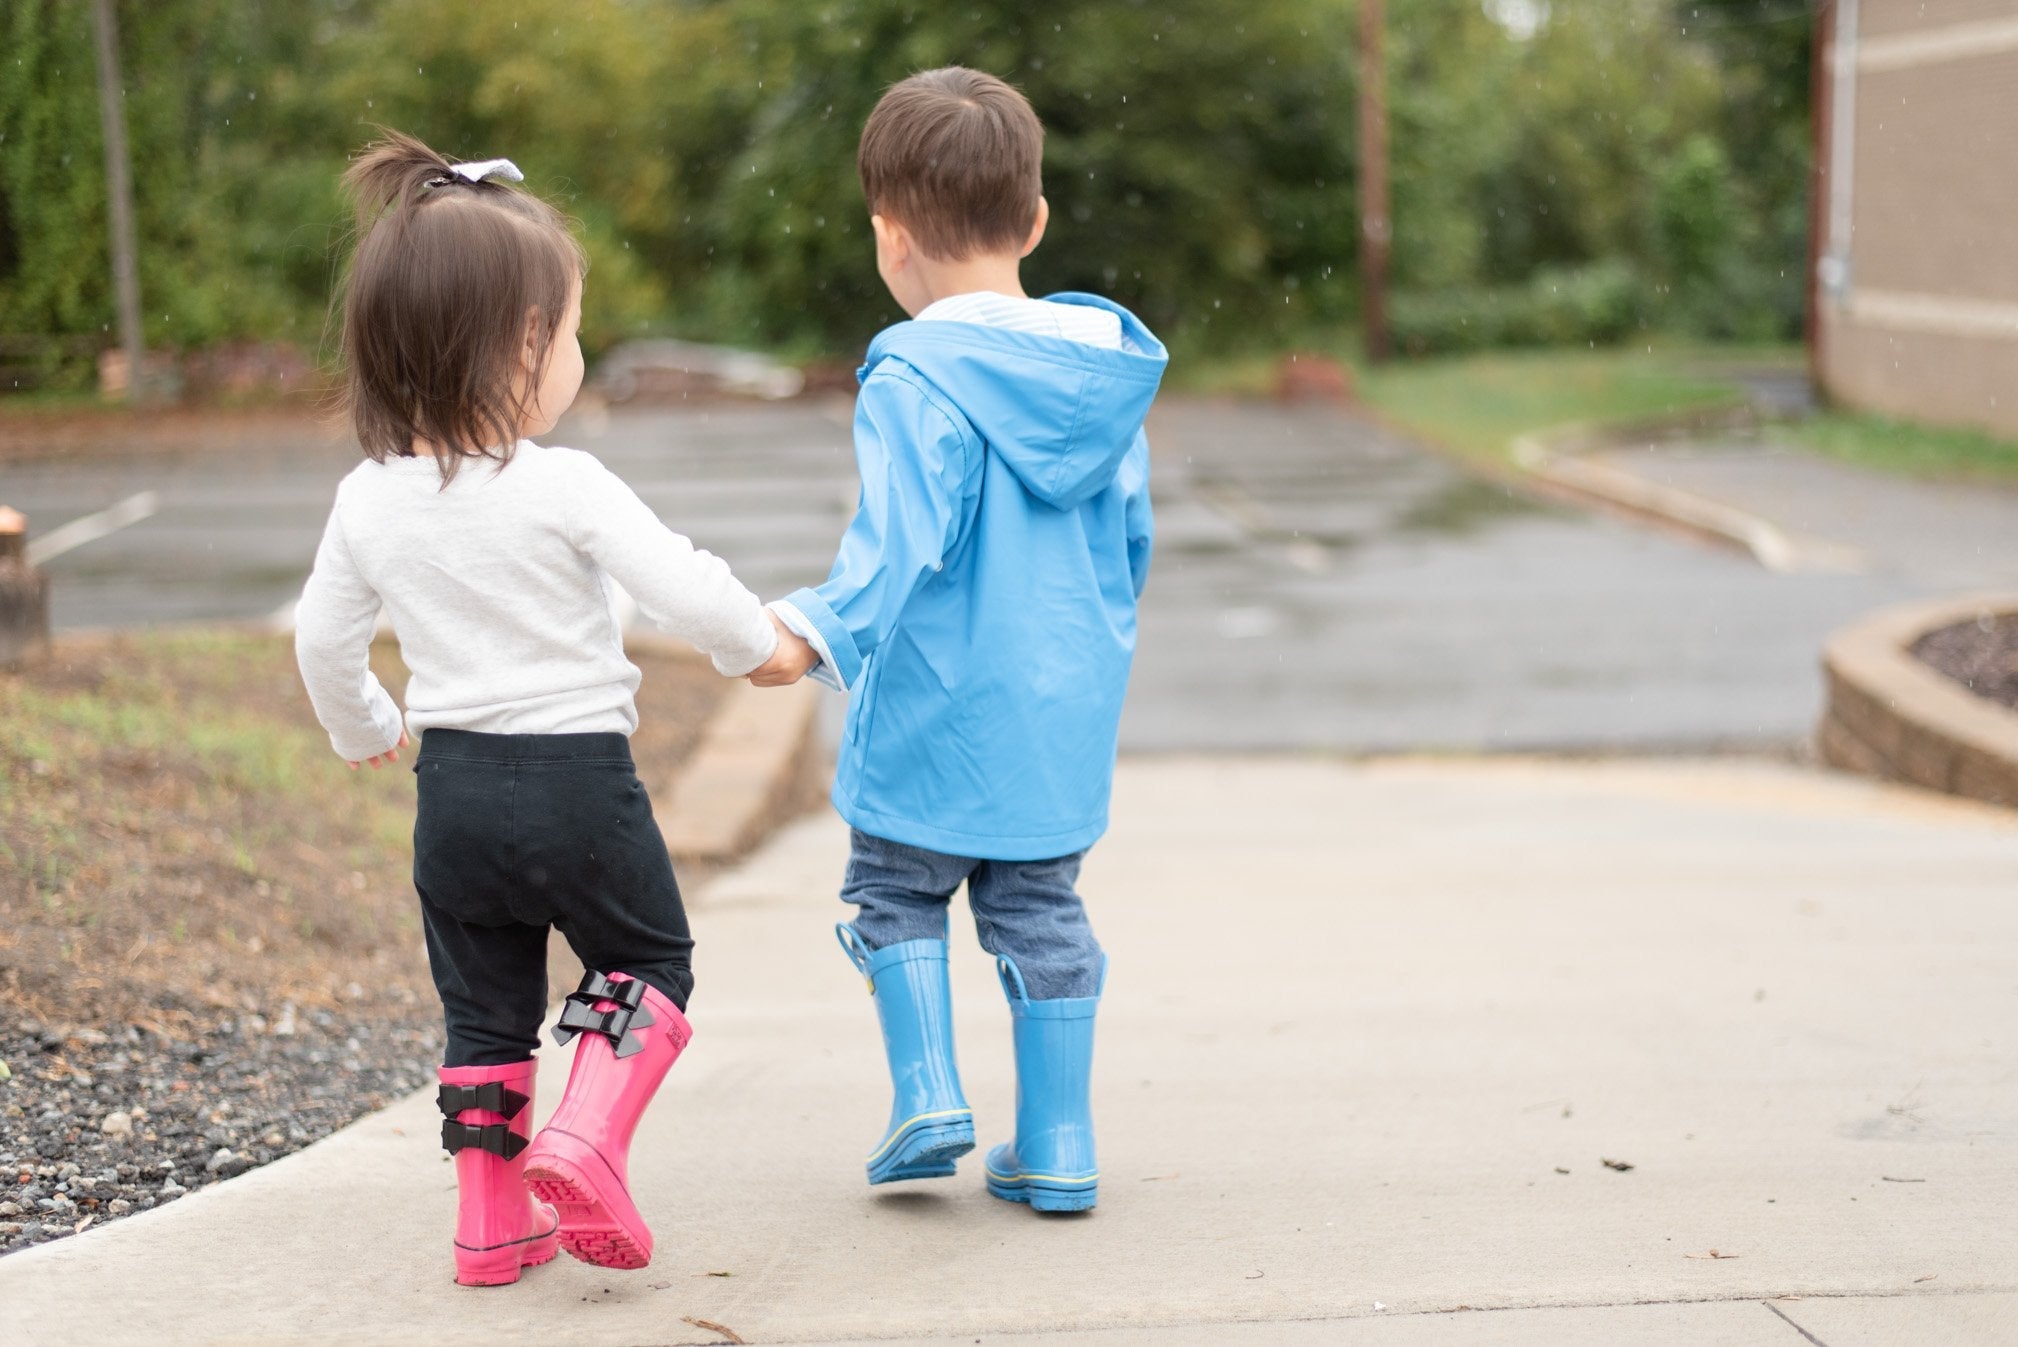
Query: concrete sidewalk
{"type": "Point", "coordinates": [1372, 1031]}
{"type": "Point", "coordinates": [1940, 534]}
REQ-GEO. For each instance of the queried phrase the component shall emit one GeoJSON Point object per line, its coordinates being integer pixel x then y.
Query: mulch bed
{"type": "Point", "coordinates": [209, 954]}
{"type": "Point", "coordinates": [1981, 655]}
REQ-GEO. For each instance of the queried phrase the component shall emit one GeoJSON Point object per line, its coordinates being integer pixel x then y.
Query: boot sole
{"type": "Point", "coordinates": [925, 1151]}
{"type": "Point", "coordinates": [599, 1223]}
{"type": "Point", "coordinates": [1044, 1196]}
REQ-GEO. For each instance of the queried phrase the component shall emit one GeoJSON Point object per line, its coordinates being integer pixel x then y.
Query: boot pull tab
{"type": "Point", "coordinates": [857, 952]}
{"type": "Point", "coordinates": [1012, 979]}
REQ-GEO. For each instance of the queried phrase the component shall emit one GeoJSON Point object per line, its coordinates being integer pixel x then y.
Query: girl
{"type": "Point", "coordinates": [492, 556]}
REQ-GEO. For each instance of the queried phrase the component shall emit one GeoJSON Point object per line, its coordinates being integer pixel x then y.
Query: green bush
{"type": "Point", "coordinates": [1600, 304]}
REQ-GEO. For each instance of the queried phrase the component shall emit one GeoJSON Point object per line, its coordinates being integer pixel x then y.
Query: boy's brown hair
{"type": "Point", "coordinates": [956, 157]}
{"type": "Point", "coordinates": [448, 280]}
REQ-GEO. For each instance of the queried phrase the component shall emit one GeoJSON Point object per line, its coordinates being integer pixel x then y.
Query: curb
{"type": "Point", "coordinates": [759, 762]}
{"type": "Point", "coordinates": [1558, 458]}
{"type": "Point", "coordinates": [1890, 716]}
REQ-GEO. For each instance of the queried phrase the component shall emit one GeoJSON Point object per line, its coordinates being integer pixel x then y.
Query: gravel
{"type": "Point", "coordinates": [1982, 655]}
{"type": "Point", "coordinates": [96, 1124]}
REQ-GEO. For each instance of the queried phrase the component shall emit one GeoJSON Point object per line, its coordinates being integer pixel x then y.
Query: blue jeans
{"type": "Point", "coordinates": [1026, 911]}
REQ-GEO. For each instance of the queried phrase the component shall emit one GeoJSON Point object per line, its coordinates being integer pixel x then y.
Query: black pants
{"type": "Point", "coordinates": [516, 833]}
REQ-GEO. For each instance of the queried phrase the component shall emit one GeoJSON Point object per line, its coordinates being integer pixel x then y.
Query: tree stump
{"type": "Point", "coordinates": [24, 594]}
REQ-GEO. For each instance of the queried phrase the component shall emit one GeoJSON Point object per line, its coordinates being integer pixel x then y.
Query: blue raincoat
{"type": "Point", "coordinates": [982, 608]}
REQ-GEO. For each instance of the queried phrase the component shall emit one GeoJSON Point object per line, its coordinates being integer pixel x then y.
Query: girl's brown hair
{"type": "Point", "coordinates": [447, 282]}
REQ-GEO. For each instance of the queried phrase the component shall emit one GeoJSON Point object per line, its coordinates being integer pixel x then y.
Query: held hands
{"type": "Point", "coordinates": [788, 663]}
{"type": "Point", "coordinates": [378, 760]}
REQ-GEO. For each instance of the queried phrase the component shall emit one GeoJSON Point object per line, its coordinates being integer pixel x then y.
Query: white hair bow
{"type": "Point", "coordinates": [477, 172]}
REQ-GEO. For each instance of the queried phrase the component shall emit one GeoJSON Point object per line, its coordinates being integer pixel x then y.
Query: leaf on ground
{"type": "Point", "coordinates": [1621, 1165]}
{"type": "Point", "coordinates": [714, 1274]}
{"type": "Point", "coordinates": [728, 1334]}
{"type": "Point", "coordinates": [1561, 1170]}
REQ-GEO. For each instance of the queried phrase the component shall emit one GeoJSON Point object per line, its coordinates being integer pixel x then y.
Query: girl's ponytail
{"type": "Point", "coordinates": [389, 173]}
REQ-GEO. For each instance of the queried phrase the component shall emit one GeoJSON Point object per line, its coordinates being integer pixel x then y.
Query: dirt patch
{"type": "Point", "coordinates": [1981, 655]}
{"type": "Point", "coordinates": [206, 920]}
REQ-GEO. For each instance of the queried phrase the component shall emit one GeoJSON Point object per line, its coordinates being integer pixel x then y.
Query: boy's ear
{"type": "Point", "coordinates": [892, 239]}
{"type": "Point", "coordinates": [1037, 229]}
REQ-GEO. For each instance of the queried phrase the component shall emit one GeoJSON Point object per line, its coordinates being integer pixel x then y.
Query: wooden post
{"type": "Point", "coordinates": [24, 594]}
{"type": "Point", "coordinates": [1376, 229]}
{"type": "Point", "coordinates": [1821, 95]}
{"type": "Point", "coordinates": [119, 199]}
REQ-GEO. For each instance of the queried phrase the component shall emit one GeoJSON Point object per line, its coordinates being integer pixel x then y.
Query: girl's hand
{"type": "Point", "coordinates": [378, 760]}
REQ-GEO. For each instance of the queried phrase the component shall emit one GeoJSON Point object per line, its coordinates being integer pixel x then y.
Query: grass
{"type": "Point", "coordinates": [1903, 447]}
{"type": "Point", "coordinates": [167, 807]}
{"type": "Point", "coordinates": [175, 834]}
{"type": "Point", "coordinates": [1478, 404]}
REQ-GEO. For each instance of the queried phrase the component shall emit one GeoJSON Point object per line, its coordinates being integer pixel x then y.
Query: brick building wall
{"type": "Point", "coordinates": [1917, 310]}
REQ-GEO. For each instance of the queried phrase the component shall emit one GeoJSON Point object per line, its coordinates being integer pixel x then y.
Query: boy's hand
{"type": "Point", "coordinates": [789, 662]}
{"type": "Point", "coordinates": [390, 755]}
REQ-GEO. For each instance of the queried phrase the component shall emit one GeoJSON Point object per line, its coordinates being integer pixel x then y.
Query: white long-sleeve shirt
{"type": "Point", "coordinates": [496, 586]}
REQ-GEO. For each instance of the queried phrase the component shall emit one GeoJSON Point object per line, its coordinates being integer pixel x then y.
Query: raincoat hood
{"type": "Point", "coordinates": [1061, 414]}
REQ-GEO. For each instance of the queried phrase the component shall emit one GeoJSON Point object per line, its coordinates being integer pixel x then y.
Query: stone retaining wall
{"type": "Point", "coordinates": [1891, 716]}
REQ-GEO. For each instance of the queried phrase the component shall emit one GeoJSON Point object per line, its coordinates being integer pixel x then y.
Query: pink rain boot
{"type": "Point", "coordinates": [630, 1036]}
{"type": "Point", "coordinates": [487, 1116]}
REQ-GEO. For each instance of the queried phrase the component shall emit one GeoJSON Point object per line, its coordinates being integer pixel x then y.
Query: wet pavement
{"type": "Point", "coordinates": [1320, 584]}
{"type": "Point", "coordinates": [1323, 582]}
{"type": "Point", "coordinates": [1953, 535]}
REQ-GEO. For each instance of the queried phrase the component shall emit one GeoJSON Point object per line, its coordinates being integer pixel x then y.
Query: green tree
{"type": "Point", "coordinates": [54, 276]}
{"type": "Point", "coordinates": [1196, 158]}
{"type": "Point", "coordinates": [1764, 53]}
{"type": "Point", "coordinates": [218, 211]}
{"type": "Point", "coordinates": [573, 91]}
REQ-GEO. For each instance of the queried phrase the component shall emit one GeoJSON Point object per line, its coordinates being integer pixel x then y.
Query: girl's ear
{"type": "Point", "coordinates": [529, 357]}
{"type": "Point", "coordinates": [1037, 228]}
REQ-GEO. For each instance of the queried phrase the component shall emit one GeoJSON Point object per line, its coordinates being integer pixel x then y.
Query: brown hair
{"type": "Point", "coordinates": [956, 156]}
{"type": "Point", "coordinates": [436, 304]}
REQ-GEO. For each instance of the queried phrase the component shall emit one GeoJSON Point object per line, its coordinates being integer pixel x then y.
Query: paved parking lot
{"type": "Point", "coordinates": [1319, 582]}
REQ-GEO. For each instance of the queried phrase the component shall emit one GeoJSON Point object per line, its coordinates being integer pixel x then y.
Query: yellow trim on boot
{"type": "Point", "coordinates": [1046, 1178]}
{"type": "Point", "coordinates": [902, 1127]}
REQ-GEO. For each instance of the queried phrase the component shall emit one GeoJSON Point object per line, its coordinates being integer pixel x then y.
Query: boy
{"type": "Point", "coordinates": [982, 614]}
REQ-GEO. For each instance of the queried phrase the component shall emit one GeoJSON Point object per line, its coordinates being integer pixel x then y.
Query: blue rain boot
{"type": "Point", "coordinates": [930, 1123]}
{"type": "Point", "coordinates": [1051, 1163]}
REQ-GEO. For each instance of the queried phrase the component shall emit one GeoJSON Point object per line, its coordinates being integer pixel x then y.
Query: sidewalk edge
{"type": "Point", "coordinates": [758, 763]}
{"type": "Point", "coordinates": [1560, 457]}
